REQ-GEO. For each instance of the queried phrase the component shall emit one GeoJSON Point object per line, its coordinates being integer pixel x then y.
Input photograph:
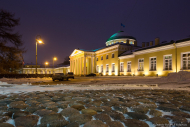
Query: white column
{"type": "Point", "coordinates": [84, 70]}
{"type": "Point", "coordinates": [92, 70]}
{"type": "Point", "coordinates": [95, 64]}
{"type": "Point", "coordinates": [81, 65]}
{"type": "Point", "coordinates": [71, 65]}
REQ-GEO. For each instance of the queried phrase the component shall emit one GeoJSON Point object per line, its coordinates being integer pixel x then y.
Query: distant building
{"type": "Point", "coordinates": [41, 69]}
{"type": "Point", "coordinates": [122, 56]}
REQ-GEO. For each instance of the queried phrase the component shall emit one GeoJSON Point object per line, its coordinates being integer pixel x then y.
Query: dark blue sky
{"type": "Point", "coordinates": [68, 24]}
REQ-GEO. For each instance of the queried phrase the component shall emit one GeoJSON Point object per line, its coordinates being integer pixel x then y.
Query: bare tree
{"type": "Point", "coordinates": [11, 50]}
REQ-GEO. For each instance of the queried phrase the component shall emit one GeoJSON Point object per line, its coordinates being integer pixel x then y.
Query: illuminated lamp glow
{"type": "Point", "coordinates": [159, 73]}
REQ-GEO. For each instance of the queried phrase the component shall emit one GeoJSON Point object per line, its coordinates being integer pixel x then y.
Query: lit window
{"type": "Point", "coordinates": [96, 59]}
{"type": "Point", "coordinates": [106, 56]}
{"type": "Point", "coordinates": [107, 68]}
{"type": "Point", "coordinates": [113, 67]}
{"type": "Point", "coordinates": [121, 67]}
{"type": "Point", "coordinates": [153, 64]}
{"type": "Point", "coordinates": [141, 65]}
{"type": "Point", "coordinates": [101, 57]}
{"type": "Point", "coordinates": [131, 42]}
{"type": "Point", "coordinates": [112, 55]}
{"type": "Point", "coordinates": [186, 61]}
{"type": "Point", "coordinates": [97, 69]}
{"type": "Point", "coordinates": [168, 62]}
{"type": "Point", "coordinates": [129, 66]}
{"type": "Point", "coordinates": [101, 68]}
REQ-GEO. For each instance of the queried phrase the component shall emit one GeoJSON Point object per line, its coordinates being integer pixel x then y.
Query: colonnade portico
{"type": "Point", "coordinates": [82, 63]}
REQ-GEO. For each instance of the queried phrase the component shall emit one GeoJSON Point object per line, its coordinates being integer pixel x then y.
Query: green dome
{"type": "Point", "coordinates": [119, 35]}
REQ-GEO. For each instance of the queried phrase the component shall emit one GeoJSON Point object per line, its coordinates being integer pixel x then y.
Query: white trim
{"type": "Point", "coordinates": [108, 48]}
{"type": "Point", "coordinates": [181, 67]}
{"type": "Point", "coordinates": [182, 44]}
{"type": "Point", "coordinates": [164, 62]}
{"type": "Point", "coordinates": [150, 63]}
{"type": "Point", "coordinates": [106, 68]}
{"type": "Point", "coordinates": [102, 68]}
{"type": "Point", "coordinates": [112, 67]}
{"type": "Point", "coordinates": [73, 53]}
{"type": "Point", "coordinates": [127, 56]}
{"type": "Point", "coordinates": [97, 69]}
{"type": "Point", "coordinates": [120, 66]}
{"type": "Point", "coordinates": [106, 52]}
{"type": "Point", "coordinates": [156, 49]}
{"type": "Point", "coordinates": [138, 65]}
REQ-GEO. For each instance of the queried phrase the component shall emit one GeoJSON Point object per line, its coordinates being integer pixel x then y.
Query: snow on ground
{"type": "Point", "coordinates": [11, 121]}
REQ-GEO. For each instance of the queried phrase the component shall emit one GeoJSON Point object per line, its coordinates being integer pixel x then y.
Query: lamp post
{"type": "Point", "coordinates": [38, 40]}
{"type": "Point", "coordinates": [46, 63]}
{"type": "Point", "coordinates": [54, 59]}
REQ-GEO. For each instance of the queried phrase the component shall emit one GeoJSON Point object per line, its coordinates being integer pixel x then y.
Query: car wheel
{"type": "Point", "coordinates": [53, 79]}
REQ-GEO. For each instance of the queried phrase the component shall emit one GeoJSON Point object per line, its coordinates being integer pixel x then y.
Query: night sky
{"type": "Point", "coordinates": [65, 25]}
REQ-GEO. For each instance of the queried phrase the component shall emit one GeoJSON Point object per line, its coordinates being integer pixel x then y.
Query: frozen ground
{"type": "Point", "coordinates": [114, 101]}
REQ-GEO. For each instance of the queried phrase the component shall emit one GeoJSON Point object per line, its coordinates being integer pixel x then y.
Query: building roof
{"type": "Point", "coordinates": [119, 35]}
{"type": "Point", "coordinates": [154, 46]}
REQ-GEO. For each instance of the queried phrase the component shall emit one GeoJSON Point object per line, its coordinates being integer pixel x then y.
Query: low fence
{"type": "Point", "coordinates": [25, 75]}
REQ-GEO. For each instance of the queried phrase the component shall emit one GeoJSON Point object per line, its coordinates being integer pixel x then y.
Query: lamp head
{"type": "Point", "coordinates": [54, 58]}
{"type": "Point", "coordinates": [46, 63]}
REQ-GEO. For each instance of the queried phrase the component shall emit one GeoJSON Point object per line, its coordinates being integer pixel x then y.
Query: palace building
{"type": "Point", "coordinates": [122, 56]}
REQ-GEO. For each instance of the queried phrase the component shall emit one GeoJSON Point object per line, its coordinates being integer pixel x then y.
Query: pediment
{"type": "Point", "coordinates": [75, 52]}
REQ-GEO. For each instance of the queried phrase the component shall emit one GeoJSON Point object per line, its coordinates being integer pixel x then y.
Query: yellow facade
{"type": "Point", "coordinates": [130, 59]}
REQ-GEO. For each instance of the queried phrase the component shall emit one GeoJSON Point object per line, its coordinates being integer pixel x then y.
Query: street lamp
{"type": "Point", "coordinates": [54, 59]}
{"type": "Point", "coordinates": [38, 40]}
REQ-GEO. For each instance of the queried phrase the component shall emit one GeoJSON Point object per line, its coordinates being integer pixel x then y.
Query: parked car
{"type": "Point", "coordinates": [59, 76]}
{"type": "Point", "coordinates": [70, 75]}
{"type": "Point", "coordinates": [91, 74]}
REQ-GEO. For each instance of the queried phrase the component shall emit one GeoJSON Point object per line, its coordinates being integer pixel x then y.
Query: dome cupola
{"type": "Point", "coordinates": [120, 37]}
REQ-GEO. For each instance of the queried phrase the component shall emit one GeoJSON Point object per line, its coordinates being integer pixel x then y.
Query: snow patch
{"type": "Point", "coordinates": [93, 118]}
{"type": "Point", "coordinates": [129, 109]}
{"type": "Point", "coordinates": [66, 118]}
{"type": "Point", "coordinates": [123, 124]}
{"type": "Point", "coordinates": [11, 121]}
{"type": "Point", "coordinates": [81, 125]}
{"type": "Point", "coordinates": [165, 113]}
{"type": "Point", "coordinates": [39, 120]}
{"type": "Point", "coordinates": [59, 110]}
{"type": "Point", "coordinates": [150, 124]}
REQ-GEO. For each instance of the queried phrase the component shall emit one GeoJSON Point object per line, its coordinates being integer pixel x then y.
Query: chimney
{"type": "Point", "coordinates": [135, 43]}
{"type": "Point", "coordinates": [151, 43]}
{"type": "Point", "coordinates": [127, 41]}
{"type": "Point", "coordinates": [147, 44]}
{"type": "Point", "coordinates": [143, 44]}
{"type": "Point", "coordinates": [157, 41]}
